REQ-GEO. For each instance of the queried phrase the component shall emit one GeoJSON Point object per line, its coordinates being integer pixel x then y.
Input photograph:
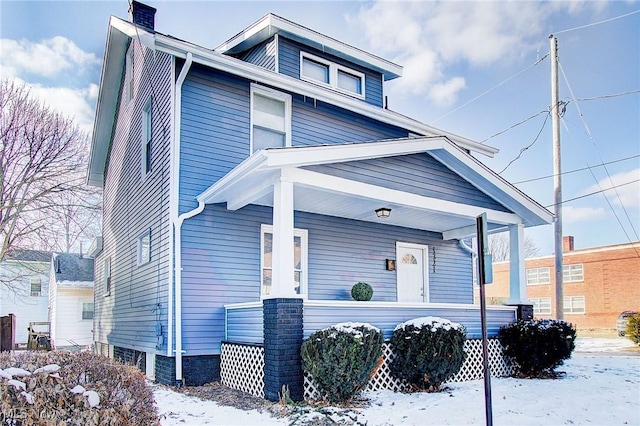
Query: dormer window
{"type": "Point", "coordinates": [338, 77]}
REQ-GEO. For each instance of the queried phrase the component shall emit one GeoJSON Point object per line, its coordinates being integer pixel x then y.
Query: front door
{"type": "Point", "coordinates": [411, 262]}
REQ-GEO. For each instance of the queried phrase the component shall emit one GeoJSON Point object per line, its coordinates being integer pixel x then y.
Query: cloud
{"type": "Point", "coordinates": [431, 38]}
{"type": "Point", "coordinates": [75, 104]}
{"type": "Point", "coordinates": [47, 58]}
{"type": "Point", "coordinates": [627, 188]}
{"type": "Point", "coordinates": [581, 214]}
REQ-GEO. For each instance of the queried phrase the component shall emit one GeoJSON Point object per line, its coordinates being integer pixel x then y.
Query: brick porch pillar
{"type": "Point", "coordinates": [282, 340]}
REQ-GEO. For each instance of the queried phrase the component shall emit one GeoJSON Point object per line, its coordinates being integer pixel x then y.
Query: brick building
{"type": "Point", "coordinates": [599, 284]}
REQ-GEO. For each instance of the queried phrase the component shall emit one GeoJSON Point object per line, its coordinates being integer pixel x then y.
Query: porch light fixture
{"type": "Point", "coordinates": [383, 212]}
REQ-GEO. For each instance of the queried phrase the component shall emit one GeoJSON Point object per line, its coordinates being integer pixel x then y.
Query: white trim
{"type": "Point", "coordinates": [146, 138]}
{"type": "Point", "coordinates": [425, 267]}
{"type": "Point", "coordinates": [276, 39]}
{"type": "Point", "coordinates": [333, 68]}
{"type": "Point", "coordinates": [139, 260]}
{"type": "Point", "coordinates": [272, 94]}
{"type": "Point", "coordinates": [244, 305]}
{"type": "Point", "coordinates": [270, 24]}
{"type": "Point", "coordinates": [304, 261]}
{"type": "Point", "coordinates": [394, 196]}
{"type": "Point", "coordinates": [395, 305]}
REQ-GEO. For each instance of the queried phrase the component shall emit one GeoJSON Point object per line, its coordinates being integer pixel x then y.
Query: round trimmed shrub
{"type": "Point", "coordinates": [538, 346]}
{"type": "Point", "coordinates": [361, 292]}
{"type": "Point", "coordinates": [342, 358]}
{"type": "Point", "coordinates": [427, 352]}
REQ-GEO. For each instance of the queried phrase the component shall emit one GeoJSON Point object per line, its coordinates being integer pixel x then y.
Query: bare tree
{"type": "Point", "coordinates": [43, 161]}
{"type": "Point", "coordinates": [499, 247]}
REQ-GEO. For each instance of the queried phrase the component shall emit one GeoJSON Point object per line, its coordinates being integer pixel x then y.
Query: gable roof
{"type": "Point", "coordinates": [71, 268]}
{"type": "Point", "coordinates": [119, 34]}
{"type": "Point", "coordinates": [28, 255]}
{"type": "Point", "coordinates": [270, 24]}
{"type": "Point", "coordinates": [251, 182]}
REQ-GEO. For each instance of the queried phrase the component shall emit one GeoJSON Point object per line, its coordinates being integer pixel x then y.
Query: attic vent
{"type": "Point", "coordinates": [143, 15]}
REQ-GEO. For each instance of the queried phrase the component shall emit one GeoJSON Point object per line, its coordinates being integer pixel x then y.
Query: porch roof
{"type": "Point", "coordinates": [252, 181]}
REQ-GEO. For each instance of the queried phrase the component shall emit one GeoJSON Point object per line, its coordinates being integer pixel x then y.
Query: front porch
{"type": "Point", "coordinates": [265, 337]}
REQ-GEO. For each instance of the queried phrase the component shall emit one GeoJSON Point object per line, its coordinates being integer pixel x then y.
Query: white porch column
{"type": "Point", "coordinates": [517, 278]}
{"type": "Point", "coordinates": [282, 260]}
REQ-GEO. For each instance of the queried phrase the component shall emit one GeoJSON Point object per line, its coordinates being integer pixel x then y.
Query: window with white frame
{"type": "Point", "coordinates": [87, 311]}
{"type": "Point", "coordinates": [299, 259]}
{"type": "Point", "coordinates": [574, 305]}
{"type": "Point", "coordinates": [339, 77]}
{"type": "Point", "coordinates": [270, 118]}
{"type": "Point", "coordinates": [541, 305]}
{"type": "Point", "coordinates": [147, 137]}
{"type": "Point", "coordinates": [537, 276]}
{"type": "Point", "coordinates": [36, 286]}
{"type": "Point", "coordinates": [144, 247]}
{"type": "Point", "coordinates": [107, 276]}
{"type": "Point", "coordinates": [128, 87]}
{"type": "Point", "coordinates": [573, 273]}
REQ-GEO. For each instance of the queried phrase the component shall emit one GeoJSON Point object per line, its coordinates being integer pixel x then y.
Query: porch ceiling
{"type": "Point", "coordinates": [252, 182]}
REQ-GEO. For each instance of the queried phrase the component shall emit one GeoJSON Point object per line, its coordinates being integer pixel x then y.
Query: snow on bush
{"type": "Point", "coordinates": [342, 358]}
{"type": "Point", "coordinates": [427, 352]}
{"type": "Point", "coordinates": [538, 346]}
{"type": "Point", "coordinates": [46, 388]}
{"type": "Point", "coordinates": [633, 328]}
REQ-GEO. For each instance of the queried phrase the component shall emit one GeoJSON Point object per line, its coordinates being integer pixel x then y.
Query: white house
{"type": "Point", "coordinates": [71, 300]}
{"type": "Point", "coordinates": [24, 286]}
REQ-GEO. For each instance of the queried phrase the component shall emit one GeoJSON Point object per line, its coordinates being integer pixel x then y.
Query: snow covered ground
{"type": "Point", "coordinates": [601, 387]}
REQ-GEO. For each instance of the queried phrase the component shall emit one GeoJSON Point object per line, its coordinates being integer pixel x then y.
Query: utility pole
{"type": "Point", "coordinates": [557, 179]}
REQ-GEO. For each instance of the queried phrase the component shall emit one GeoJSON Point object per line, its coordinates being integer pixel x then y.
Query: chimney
{"type": "Point", "coordinates": [567, 243]}
{"type": "Point", "coordinates": [143, 15]}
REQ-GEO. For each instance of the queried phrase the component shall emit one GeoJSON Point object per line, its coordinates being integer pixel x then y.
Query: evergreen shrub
{"type": "Point", "coordinates": [538, 346]}
{"type": "Point", "coordinates": [361, 292]}
{"type": "Point", "coordinates": [342, 358]}
{"type": "Point", "coordinates": [427, 352]}
{"type": "Point", "coordinates": [633, 328]}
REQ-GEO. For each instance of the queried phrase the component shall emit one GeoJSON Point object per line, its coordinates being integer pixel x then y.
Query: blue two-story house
{"type": "Point", "coordinates": [254, 184]}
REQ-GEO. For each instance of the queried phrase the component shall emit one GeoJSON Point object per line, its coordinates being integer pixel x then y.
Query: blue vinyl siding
{"type": "Point", "coordinates": [245, 325]}
{"type": "Point", "coordinates": [418, 173]}
{"type": "Point", "coordinates": [221, 265]}
{"type": "Point", "coordinates": [289, 64]}
{"type": "Point", "coordinates": [386, 318]}
{"type": "Point", "coordinates": [264, 54]}
{"type": "Point", "coordinates": [136, 309]}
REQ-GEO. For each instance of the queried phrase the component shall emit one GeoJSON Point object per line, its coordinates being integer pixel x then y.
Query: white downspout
{"type": "Point", "coordinates": [178, 248]}
{"type": "Point", "coordinates": [473, 254]}
{"type": "Point", "coordinates": [175, 273]}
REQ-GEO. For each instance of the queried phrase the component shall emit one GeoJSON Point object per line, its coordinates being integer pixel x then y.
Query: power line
{"type": "Point", "coordinates": [614, 95]}
{"type": "Point", "coordinates": [522, 150]}
{"type": "Point", "coordinates": [601, 161]}
{"type": "Point", "coordinates": [577, 170]}
{"type": "Point", "coordinates": [515, 125]}
{"type": "Point", "coordinates": [490, 90]}
{"type": "Point", "coordinates": [597, 23]}
{"type": "Point", "coordinates": [600, 191]}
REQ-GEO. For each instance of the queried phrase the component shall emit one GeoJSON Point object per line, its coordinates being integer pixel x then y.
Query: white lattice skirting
{"type": "Point", "coordinates": [242, 368]}
{"type": "Point", "coordinates": [471, 369]}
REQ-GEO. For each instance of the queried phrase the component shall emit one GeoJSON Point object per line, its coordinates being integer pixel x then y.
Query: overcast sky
{"type": "Point", "coordinates": [473, 68]}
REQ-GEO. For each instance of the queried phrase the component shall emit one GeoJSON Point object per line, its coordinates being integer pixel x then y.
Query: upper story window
{"type": "Point", "coordinates": [36, 286]}
{"type": "Point", "coordinates": [270, 118]}
{"type": "Point", "coordinates": [299, 259]}
{"type": "Point", "coordinates": [128, 86]}
{"type": "Point", "coordinates": [573, 273]}
{"type": "Point", "coordinates": [107, 276]}
{"type": "Point", "coordinates": [537, 276]}
{"type": "Point", "coordinates": [338, 77]}
{"type": "Point", "coordinates": [144, 247]}
{"type": "Point", "coordinates": [147, 137]}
